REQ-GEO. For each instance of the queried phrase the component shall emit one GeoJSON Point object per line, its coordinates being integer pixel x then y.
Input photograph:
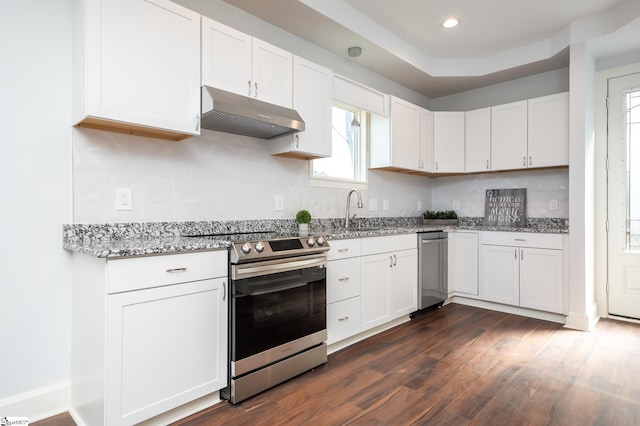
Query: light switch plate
{"type": "Point", "coordinates": [279, 203]}
{"type": "Point", "coordinates": [385, 205]}
{"type": "Point", "coordinates": [373, 204]}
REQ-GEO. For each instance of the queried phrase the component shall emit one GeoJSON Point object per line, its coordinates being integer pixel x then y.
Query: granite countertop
{"type": "Point", "coordinates": [144, 246]}
{"type": "Point", "coordinates": [143, 239]}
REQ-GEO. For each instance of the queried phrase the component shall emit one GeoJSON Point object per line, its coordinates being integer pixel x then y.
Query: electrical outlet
{"type": "Point", "coordinates": [385, 205]}
{"type": "Point", "coordinates": [124, 199]}
{"type": "Point", "coordinates": [279, 203]}
{"type": "Point", "coordinates": [419, 206]}
{"type": "Point", "coordinates": [373, 204]}
{"type": "Point", "coordinates": [456, 205]}
{"type": "Point", "coordinates": [553, 204]}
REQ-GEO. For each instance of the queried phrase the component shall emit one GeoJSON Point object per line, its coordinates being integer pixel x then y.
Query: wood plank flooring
{"type": "Point", "coordinates": [459, 365]}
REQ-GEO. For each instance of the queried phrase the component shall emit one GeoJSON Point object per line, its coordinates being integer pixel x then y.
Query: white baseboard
{"type": "Point", "coordinates": [39, 403]}
{"type": "Point", "coordinates": [508, 309]}
{"type": "Point", "coordinates": [583, 322]}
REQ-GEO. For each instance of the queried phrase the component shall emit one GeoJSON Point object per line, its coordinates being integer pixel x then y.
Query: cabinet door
{"type": "Point", "coordinates": [463, 262]}
{"type": "Point", "coordinates": [448, 142]}
{"type": "Point", "coordinates": [405, 134]}
{"type": "Point", "coordinates": [500, 275]}
{"type": "Point", "coordinates": [549, 131]}
{"type": "Point", "coordinates": [509, 136]}
{"type": "Point", "coordinates": [374, 275]}
{"type": "Point", "coordinates": [477, 140]}
{"type": "Point", "coordinates": [166, 346]}
{"type": "Point", "coordinates": [312, 98]}
{"type": "Point", "coordinates": [143, 64]}
{"type": "Point", "coordinates": [272, 74]}
{"type": "Point", "coordinates": [541, 283]}
{"type": "Point", "coordinates": [426, 140]}
{"type": "Point", "coordinates": [403, 287]}
{"type": "Point", "coordinates": [226, 58]}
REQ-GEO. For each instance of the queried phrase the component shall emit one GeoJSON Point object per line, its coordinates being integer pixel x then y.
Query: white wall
{"type": "Point", "coordinates": [35, 176]}
{"type": "Point", "coordinates": [215, 176]}
{"type": "Point", "coordinates": [582, 307]}
{"type": "Point", "coordinates": [542, 84]}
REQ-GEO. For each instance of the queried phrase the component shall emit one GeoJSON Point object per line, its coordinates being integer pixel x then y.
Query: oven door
{"type": "Point", "coordinates": [275, 315]}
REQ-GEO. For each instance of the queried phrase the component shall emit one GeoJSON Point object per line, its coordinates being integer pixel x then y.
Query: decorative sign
{"type": "Point", "coordinates": [505, 207]}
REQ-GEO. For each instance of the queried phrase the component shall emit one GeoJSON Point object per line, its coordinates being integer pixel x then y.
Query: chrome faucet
{"type": "Point", "coordinates": [348, 216]}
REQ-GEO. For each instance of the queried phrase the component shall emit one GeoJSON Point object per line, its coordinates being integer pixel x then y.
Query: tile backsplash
{"type": "Point", "coordinates": [218, 176]}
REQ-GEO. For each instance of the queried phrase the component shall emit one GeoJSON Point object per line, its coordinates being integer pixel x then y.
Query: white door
{"type": "Point", "coordinates": [624, 196]}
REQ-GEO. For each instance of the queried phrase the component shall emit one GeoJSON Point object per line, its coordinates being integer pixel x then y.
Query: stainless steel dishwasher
{"type": "Point", "coordinates": [432, 269]}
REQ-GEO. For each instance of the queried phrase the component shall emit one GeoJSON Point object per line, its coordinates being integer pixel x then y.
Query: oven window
{"type": "Point", "coordinates": [275, 309]}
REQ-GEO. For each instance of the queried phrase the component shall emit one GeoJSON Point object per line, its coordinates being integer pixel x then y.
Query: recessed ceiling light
{"type": "Point", "coordinates": [450, 23]}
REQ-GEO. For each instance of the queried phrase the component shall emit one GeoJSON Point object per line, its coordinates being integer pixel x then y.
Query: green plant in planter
{"type": "Point", "coordinates": [437, 214]}
{"type": "Point", "coordinates": [303, 216]}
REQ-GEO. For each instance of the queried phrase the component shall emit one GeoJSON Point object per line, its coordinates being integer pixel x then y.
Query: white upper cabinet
{"type": "Point", "coordinates": [509, 136]}
{"type": "Point", "coordinates": [548, 131]}
{"type": "Point", "coordinates": [448, 142]}
{"type": "Point", "coordinates": [531, 133]}
{"type": "Point", "coordinates": [239, 63]}
{"type": "Point", "coordinates": [395, 140]}
{"type": "Point", "coordinates": [312, 98]}
{"type": "Point", "coordinates": [477, 140]}
{"type": "Point", "coordinates": [405, 134]}
{"type": "Point", "coordinates": [425, 159]}
{"type": "Point", "coordinates": [136, 67]}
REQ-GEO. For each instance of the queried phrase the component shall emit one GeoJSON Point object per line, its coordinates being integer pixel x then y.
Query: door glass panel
{"type": "Point", "coordinates": [632, 135]}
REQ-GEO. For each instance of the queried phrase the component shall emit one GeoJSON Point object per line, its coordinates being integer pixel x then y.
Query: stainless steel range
{"type": "Point", "coordinates": [277, 310]}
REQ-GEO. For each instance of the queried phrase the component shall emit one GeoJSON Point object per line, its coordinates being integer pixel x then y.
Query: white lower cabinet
{"type": "Point", "coordinates": [160, 342]}
{"type": "Point", "coordinates": [343, 290]}
{"type": "Point", "coordinates": [389, 272]}
{"type": "Point", "coordinates": [370, 282]}
{"type": "Point", "coordinates": [525, 270]}
{"type": "Point", "coordinates": [462, 265]}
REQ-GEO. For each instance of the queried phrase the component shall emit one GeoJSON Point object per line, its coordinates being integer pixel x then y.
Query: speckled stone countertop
{"type": "Point", "coordinates": [116, 240]}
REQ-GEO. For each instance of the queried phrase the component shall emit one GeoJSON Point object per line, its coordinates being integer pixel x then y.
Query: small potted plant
{"type": "Point", "coordinates": [303, 218]}
{"type": "Point", "coordinates": [440, 218]}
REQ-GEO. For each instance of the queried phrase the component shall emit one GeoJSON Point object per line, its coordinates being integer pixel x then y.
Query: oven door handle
{"type": "Point", "coordinates": [268, 268]}
{"type": "Point", "coordinates": [277, 289]}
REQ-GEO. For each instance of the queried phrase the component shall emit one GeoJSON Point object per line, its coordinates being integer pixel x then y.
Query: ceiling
{"type": "Point", "coordinates": [402, 40]}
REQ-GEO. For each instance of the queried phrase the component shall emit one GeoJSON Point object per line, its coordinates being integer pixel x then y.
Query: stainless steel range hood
{"type": "Point", "coordinates": [227, 112]}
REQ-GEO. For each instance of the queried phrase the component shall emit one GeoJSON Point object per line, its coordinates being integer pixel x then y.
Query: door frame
{"type": "Point", "coordinates": [601, 176]}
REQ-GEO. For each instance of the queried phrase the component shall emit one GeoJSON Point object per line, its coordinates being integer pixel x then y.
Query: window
{"type": "Point", "coordinates": [347, 163]}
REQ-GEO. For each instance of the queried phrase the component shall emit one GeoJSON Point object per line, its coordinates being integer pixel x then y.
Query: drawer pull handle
{"type": "Point", "coordinates": [343, 250]}
{"type": "Point", "coordinates": [343, 279]}
{"type": "Point", "coordinates": [520, 239]}
{"type": "Point", "coordinates": [343, 318]}
{"type": "Point", "coordinates": [172, 270]}
{"type": "Point", "coordinates": [224, 291]}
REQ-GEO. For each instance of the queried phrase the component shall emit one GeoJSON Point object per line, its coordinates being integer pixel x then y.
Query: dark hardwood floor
{"type": "Point", "coordinates": [459, 366]}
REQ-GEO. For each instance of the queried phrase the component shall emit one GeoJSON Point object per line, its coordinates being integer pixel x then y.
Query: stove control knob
{"type": "Point", "coordinates": [311, 241]}
{"type": "Point", "coordinates": [320, 241]}
{"type": "Point", "coordinates": [246, 248]}
{"type": "Point", "coordinates": [259, 246]}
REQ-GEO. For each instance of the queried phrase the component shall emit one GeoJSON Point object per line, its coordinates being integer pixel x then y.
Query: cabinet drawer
{"type": "Point", "coordinates": [343, 279]}
{"type": "Point", "coordinates": [155, 271]}
{"type": "Point", "coordinates": [342, 249]}
{"type": "Point", "coordinates": [343, 319]}
{"type": "Point", "coordinates": [389, 243]}
{"type": "Point", "coordinates": [522, 239]}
